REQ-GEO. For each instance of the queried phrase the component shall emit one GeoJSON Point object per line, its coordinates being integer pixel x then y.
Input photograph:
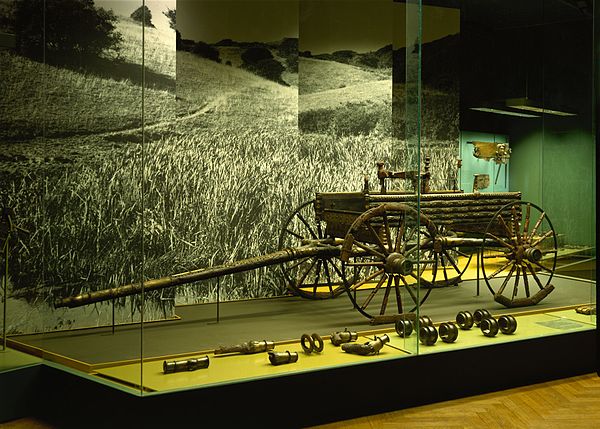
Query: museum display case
{"type": "Point", "coordinates": [259, 193]}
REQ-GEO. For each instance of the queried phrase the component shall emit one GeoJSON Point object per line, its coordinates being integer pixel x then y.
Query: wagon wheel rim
{"type": "Point", "coordinates": [385, 243]}
{"type": "Point", "coordinates": [317, 277]}
{"type": "Point", "coordinates": [450, 262]}
{"type": "Point", "coordinates": [522, 237]}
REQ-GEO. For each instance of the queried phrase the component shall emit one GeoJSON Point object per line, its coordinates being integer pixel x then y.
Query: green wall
{"type": "Point", "coordinates": [554, 166]}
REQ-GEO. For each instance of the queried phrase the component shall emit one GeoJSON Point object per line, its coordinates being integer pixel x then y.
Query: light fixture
{"type": "Point", "coordinates": [502, 111]}
{"type": "Point", "coordinates": [530, 105]}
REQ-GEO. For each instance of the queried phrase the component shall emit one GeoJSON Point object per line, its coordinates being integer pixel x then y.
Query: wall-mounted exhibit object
{"type": "Point", "coordinates": [492, 151]}
{"type": "Point", "coordinates": [185, 365]}
{"type": "Point", "coordinates": [281, 358]}
{"type": "Point", "coordinates": [369, 348]}
{"type": "Point", "coordinates": [248, 347]}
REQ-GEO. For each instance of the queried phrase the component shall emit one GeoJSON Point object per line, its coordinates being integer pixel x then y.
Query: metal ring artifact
{"type": "Point", "coordinates": [508, 324]}
{"type": "Point", "coordinates": [318, 344]}
{"type": "Point", "coordinates": [480, 315]}
{"type": "Point", "coordinates": [308, 348]}
{"type": "Point", "coordinates": [464, 319]}
{"type": "Point", "coordinates": [489, 327]}
{"type": "Point", "coordinates": [428, 335]}
{"type": "Point", "coordinates": [404, 327]}
{"type": "Point", "coordinates": [448, 332]}
{"type": "Point", "coordinates": [425, 321]}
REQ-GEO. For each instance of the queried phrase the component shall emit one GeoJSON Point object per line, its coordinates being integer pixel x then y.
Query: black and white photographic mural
{"type": "Point", "coordinates": [183, 134]}
{"type": "Point", "coordinates": [71, 143]}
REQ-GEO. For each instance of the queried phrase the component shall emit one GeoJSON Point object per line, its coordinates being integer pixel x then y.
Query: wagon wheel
{"type": "Point", "coordinates": [521, 237]}
{"type": "Point", "coordinates": [317, 277]}
{"type": "Point", "coordinates": [448, 263]}
{"type": "Point", "coordinates": [386, 243]}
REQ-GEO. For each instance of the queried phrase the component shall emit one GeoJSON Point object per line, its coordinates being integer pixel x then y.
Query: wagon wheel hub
{"type": "Point", "coordinates": [526, 253]}
{"type": "Point", "coordinates": [396, 263]}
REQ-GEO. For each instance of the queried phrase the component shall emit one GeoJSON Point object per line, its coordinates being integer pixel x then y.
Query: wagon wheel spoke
{"type": "Point", "coordinates": [369, 249]}
{"type": "Point", "coordinates": [308, 227]}
{"type": "Point", "coordinates": [499, 240]}
{"type": "Point", "coordinates": [515, 224]}
{"type": "Point", "coordinates": [308, 270]}
{"type": "Point", "coordinates": [505, 282]}
{"type": "Point", "coordinates": [535, 277]}
{"type": "Point", "coordinates": [398, 295]}
{"type": "Point", "coordinates": [537, 224]}
{"type": "Point", "coordinates": [295, 234]}
{"type": "Point", "coordinates": [386, 296]}
{"type": "Point", "coordinates": [542, 238]}
{"type": "Point", "coordinates": [504, 225]}
{"type": "Point", "coordinates": [516, 285]}
{"type": "Point", "coordinates": [499, 270]}
{"type": "Point", "coordinates": [388, 235]}
{"type": "Point", "coordinates": [318, 276]}
{"type": "Point", "coordinates": [412, 233]}
{"type": "Point", "coordinates": [372, 294]}
{"type": "Point", "coordinates": [377, 238]}
{"type": "Point", "coordinates": [526, 281]}
{"type": "Point", "coordinates": [296, 264]}
{"type": "Point", "coordinates": [526, 223]}
{"type": "Point", "coordinates": [410, 291]}
{"type": "Point", "coordinates": [399, 234]}
{"type": "Point", "coordinates": [367, 279]}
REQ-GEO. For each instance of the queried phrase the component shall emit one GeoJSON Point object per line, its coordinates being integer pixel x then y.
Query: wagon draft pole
{"type": "Point", "coordinates": [387, 250]}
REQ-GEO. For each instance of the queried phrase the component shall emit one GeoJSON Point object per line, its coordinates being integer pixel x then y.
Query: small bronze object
{"type": "Point", "coordinates": [448, 332]}
{"type": "Point", "coordinates": [248, 347]}
{"type": "Point", "coordinates": [425, 321]}
{"type": "Point", "coordinates": [346, 336]}
{"type": "Point", "coordinates": [311, 343]}
{"type": "Point", "coordinates": [489, 327]}
{"type": "Point", "coordinates": [428, 335]}
{"type": "Point", "coordinates": [368, 348]}
{"type": "Point", "coordinates": [170, 367]}
{"type": "Point", "coordinates": [480, 315]}
{"type": "Point", "coordinates": [464, 320]}
{"type": "Point", "coordinates": [508, 324]}
{"type": "Point", "coordinates": [404, 327]}
{"type": "Point", "coordinates": [280, 358]}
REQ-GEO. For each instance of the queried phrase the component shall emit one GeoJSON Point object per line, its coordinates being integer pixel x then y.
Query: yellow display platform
{"type": "Point", "coordinates": [12, 359]}
{"type": "Point", "coordinates": [236, 368]}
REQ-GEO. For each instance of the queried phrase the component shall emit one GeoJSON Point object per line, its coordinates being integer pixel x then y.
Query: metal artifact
{"type": "Point", "coordinates": [248, 347]}
{"type": "Point", "coordinates": [428, 335]}
{"type": "Point", "coordinates": [425, 321]}
{"type": "Point", "coordinates": [448, 332]}
{"type": "Point", "coordinates": [479, 315]}
{"type": "Point", "coordinates": [346, 336]}
{"type": "Point", "coordinates": [280, 358]}
{"type": "Point", "coordinates": [311, 343]}
{"type": "Point", "coordinates": [387, 250]}
{"type": "Point", "coordinates": [586, 309]}
{"type": "Point", "coordinates": [508, 324]}
{"type": "Point", "coordinates": [464, 319]}
{"type": "Point", "coordinates": [404, 327]}
{"type": "Point", "coordinates": [369, 348]}
{"type": "Point", "coordinates": [489, 327]}
{"type": "Point", "coordinates": [185, 365]}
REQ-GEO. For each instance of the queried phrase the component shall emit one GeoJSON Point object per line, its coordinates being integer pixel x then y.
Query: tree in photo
{"type": "Point", "coordinates": [171, 14]}
{"type": "Point", "coordinates": [64, 27]}
{"type": "Point", "coordinates": [142, 15]}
